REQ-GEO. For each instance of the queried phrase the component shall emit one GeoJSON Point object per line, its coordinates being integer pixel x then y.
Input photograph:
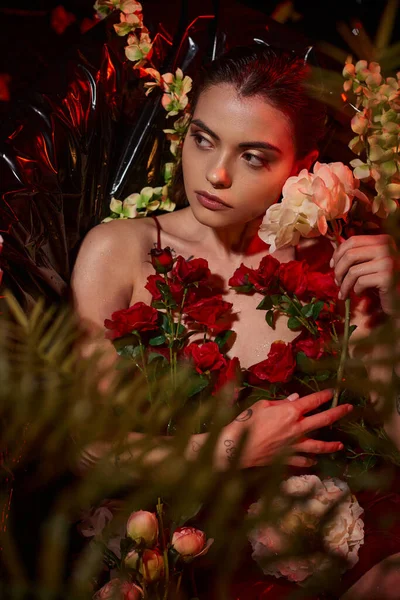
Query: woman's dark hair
{"type": "Point", "coordinates": [279, 76]}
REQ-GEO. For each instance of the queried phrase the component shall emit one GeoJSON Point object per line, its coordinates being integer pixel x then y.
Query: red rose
{"type": "Point", "coordinates": [209, 311]}
{"type": "Point", "coordinates": [277, 368]}
{"type": "Point", "coordinates": [151, 285]}
{"type": "Point", "coordinates": [205, 357]}
{"type": "Point", "coordinates": [322, 285]}
{"type": "Point", "coordinates": [293, 277]}
{"type": "Point", "coordinates": [139, 317]}
{"type": "Point", "coordinates": [240, 279]}
{"type": "Point", "coordinates": [311, 346]}
{"type": "Point", "coordinates": [161, 259]}
{"type": "Point", "coordinates": [231, 373]}
{"type": "Point", "coordinates": [264, 277]}
{"type": "Point", "coordinates": [190, 271]}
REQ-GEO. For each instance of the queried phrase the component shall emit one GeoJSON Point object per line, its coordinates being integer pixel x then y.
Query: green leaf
{"type": "Point", "coordinates": [166, 324]}
{"type": "Point", "coordinates": [276, 299]}
{"type": "Point", "coordinates": [269, 317]}
{"type": "Point", "coordinates": [293, 324]}
{"type": "Point", "coordinates": [198, 383]}
{"type": "Point", "coordinates": [265, 304]}
{"type": "Point", "coordinates": [352, 328]}
{"type": "Point", "coordinates": [129, 351]}
{"type": "Point", "coordinates": [156, 356]}
{"type": "Point", "coordinates": [307, 310]}
{"type": "Point", "coordinates": [222, 338]}
{"type": "Point", "coordinates": [181, 329]}
{"type": "Point", "coordinates": [158, 340]}
{"type": "Point", "coordinates": [318, 306]}
{"type": "Point", "coordinates": [323, 375]}
{"type": "Point", "coordinates": [304, 364]}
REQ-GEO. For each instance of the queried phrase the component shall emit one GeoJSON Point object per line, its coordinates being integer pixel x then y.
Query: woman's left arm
{"type": "Point", "coordinates": [361, 263]}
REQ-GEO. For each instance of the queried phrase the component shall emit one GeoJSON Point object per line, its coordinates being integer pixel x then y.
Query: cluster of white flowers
{"type": "Point", "coordinates": [309, 202]}
{"type": "Point", "coordinates": [377, 125]}
{"type": "Point", "coordinates": [305, 504]}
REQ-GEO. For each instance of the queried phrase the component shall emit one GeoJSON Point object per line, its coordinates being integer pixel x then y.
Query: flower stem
{"type": "Point", "coordinates": [144, 370]}
{"type": "Point", "coordinates": [343, 354]}
{"type": "Point", "coordinates": [164, 547]}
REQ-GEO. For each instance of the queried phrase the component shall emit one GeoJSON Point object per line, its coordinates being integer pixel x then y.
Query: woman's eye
{"type": "Point", "coordinates": [200, 140]}
{"type": "Point", "coordinates": [254, 161]}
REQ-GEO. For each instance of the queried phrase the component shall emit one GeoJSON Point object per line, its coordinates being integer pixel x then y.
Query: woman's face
{"type": "Point", "coordinates": [239, 150]}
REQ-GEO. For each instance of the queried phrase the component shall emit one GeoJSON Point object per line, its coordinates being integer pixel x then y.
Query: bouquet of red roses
{"type": "Point", "coordinates": [186, 328]}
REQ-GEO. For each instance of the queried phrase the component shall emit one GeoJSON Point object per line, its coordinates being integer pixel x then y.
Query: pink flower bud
{"type": "Point", "coordinates": [119, 590]}
{"type": "Point", "coordinates": [150, 564]}
{"type": "Point", "coordinates": [190, 542]}
{"type": "Point", "coordinates": [143, 526]}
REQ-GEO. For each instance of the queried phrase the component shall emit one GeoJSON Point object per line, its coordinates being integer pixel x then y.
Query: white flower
{"type": "Point", "coordinates": [334, 189]}
{"type": "Point", "coordinates": [309, 201]}
{"type": "Point", "coordinates": [138, 48]}
{"type": "Point", "coordinates": [342, 532]}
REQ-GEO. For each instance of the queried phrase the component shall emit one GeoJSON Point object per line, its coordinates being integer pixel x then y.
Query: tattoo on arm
{"type": "Point", "coordinates": [196, 447]}
{"type": "Point", "coordinates": [244, 416]}
{"type": "Point", "coordinates": [230, 449]}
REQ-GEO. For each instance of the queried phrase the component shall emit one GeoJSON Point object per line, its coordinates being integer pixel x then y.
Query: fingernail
{"type": "Point", "coordinates": [340, 446]}
{"type": "Point", "coordinates": [336, 281]}
{"type": "Point", "coordinates": [332, 262]}
{"type": "Point", "coordinates": [292, 397]}
{"type": "Point", "coordinates": [349, 408]}
{"type": "Point", "coordinates": [340, 295]}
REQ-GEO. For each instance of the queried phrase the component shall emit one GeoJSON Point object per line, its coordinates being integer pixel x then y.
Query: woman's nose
{"type": "Point", "coordinates": [219, 177]}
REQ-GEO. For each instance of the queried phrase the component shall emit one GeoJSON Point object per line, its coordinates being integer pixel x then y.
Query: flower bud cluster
{"type": "Point", "coordinates": [377, 125]}
{"type": "Point", "coordinates": [175, 87]}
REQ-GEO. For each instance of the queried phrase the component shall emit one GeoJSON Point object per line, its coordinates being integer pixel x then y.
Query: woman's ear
{"type": "Point", "coordinates": [306, 162]}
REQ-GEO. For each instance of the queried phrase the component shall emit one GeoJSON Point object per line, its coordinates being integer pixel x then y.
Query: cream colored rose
{"type": "Point", "coordinates": [342, 532]}
{"type": "Point", "coordinates": [334, 189]}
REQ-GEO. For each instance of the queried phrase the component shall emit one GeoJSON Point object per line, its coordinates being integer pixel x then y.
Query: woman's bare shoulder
{"type": "Point", "coordinates": [118, 234]}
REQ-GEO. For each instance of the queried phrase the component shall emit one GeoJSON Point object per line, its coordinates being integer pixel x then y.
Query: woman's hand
{"type": "Point", "coordinates": [363, 262]}
{"type": "Point", "coordinates": [280, 426]}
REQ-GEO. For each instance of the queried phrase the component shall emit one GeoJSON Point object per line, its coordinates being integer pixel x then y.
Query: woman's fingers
{"type": "Point", "coordinates": [382, 268]}
{"type": "Point", "coordinates": [312, 401]}
{"type": "Point", "coordinates": [325, 418]}
{"type": "Point", "coordinates": [317, 446]}
{"type": "Point", "coordinates": [359, 241]}
{"type": "Point", "coordinates": [359, 255]}
{"type": "Point", "coordinates": [300, 461]}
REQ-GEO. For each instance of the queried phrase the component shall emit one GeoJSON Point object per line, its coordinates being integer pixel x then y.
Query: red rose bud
{"type": "Point", "coordinates": [277, 368]}
{"type": "Point", "coordinates": [240, 279]}
{"type": "Point", "coordinates": [150, 565]}
{"type": "Point", "coordinates": [190, 271]}
{"type": "Point", "coordinates": [293, 277]}
{"type": "Point", "coordinates": [143, 526]}
{"type": "Point", "coordinates": [214, 313]}
{"type": "Point", "coordinates": [139, 317]}
{"type": "Point", "coordinates": [190, 542]}
{"type": "Point", "coordinates": [119, 590]}
{"type": "Point", "coordinates": [151, 286]}
{"type": "Point", "coordinates": [206, 357]}
{"type": "Point", "coordinates": [230, 377]}
{"type": "Point", "coordinates": [312, 347]}
{"type": "Point", "coordinates": [322, 285]}
{"type": "Point", "coordinates": [264, 278]}
{"type": "Point", "coordinates": [161, 259]}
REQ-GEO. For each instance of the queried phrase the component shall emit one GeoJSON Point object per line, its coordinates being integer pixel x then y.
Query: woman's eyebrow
{"type": "Point", "coordinates": [263, 145]}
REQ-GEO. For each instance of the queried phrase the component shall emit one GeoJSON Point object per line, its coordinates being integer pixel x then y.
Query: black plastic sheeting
{"type": "Point", "coordinates": [86, 133]}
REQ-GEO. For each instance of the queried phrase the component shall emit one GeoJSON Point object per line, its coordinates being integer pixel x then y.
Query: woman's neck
{"type": "Point", "coordinates": [234, 241]}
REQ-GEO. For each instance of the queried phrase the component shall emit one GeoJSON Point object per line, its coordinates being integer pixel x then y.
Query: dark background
{"type": "Point", "coordinates": [33, 35]}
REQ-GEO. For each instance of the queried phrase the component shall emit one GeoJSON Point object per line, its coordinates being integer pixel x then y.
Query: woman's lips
{"type": "Point", "coordinates": [210, 201]}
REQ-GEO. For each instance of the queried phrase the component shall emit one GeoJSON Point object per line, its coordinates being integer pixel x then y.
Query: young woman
{"type": "Point", "coordinates": [253, 125]}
